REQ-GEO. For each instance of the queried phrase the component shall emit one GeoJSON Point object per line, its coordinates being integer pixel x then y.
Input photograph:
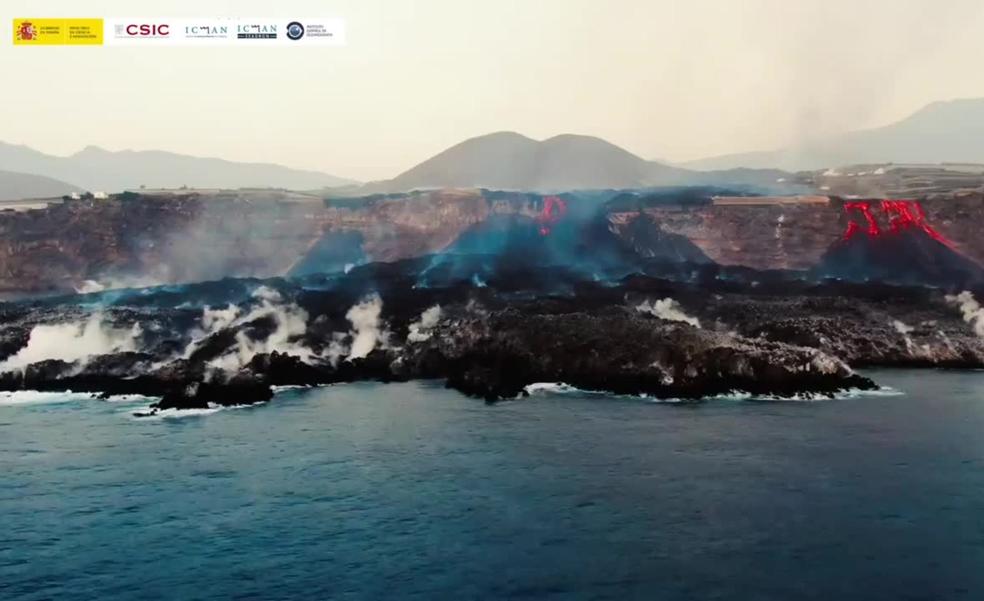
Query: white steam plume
{"type": "Point", "coordinates": [290, 323]}
{"type": "Point", "coordinates": [971, 310]}
{"type": "Point", "coordinates": [366, 331]}
{"type": "Point", "coordinates": [73, 341]}
{"type": "Point", "coordinates": [420, 330]}
{"type": "Point", "coordinates": [905, 330]}
{"type": "Point", "coordinates": [667, 309]}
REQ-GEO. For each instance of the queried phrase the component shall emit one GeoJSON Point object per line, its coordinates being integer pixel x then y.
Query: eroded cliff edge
{"type": "Point", "coordinates": [136, 239]}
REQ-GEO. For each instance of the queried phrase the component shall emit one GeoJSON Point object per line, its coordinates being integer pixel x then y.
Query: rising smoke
{"type": "Point", "coordinates": [290, 325]}
{"type": "Point", "coordinates": [669, 310]}
{"type": "Point", "coordinates": [366, 330]}
{"type": "Point", "coordinates": [420, 330]}
{"type": "Point", "coordinates": [73, 342]}
{"type": "Point", "coordinates": [970, 309]}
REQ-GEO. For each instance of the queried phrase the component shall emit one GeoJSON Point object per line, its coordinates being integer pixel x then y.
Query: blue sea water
{"type": "Point", "coordinates": [411, 491]}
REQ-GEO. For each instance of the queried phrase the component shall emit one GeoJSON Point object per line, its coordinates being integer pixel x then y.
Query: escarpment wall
{"type": "Point", "coordinates": [154, 239]}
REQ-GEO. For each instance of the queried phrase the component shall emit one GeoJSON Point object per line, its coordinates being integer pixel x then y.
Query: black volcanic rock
{"type": "Point", "coordinates": [907, 256]}
{"type": "Point", "coordinates": [530, 323]}
{"type": "Point", "coordinates": [332, 252]}
{"type": "Point", "coordinates": [587, 244]}
{"type": "Point", "coordinates": [644, 235]}
{"type": "Point", "coordinates": [625, 352]}
{"type": "Point", "coordinates": [201, 395]}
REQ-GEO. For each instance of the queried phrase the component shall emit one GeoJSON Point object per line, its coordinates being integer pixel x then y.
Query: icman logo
{"type": "Point", "coordinates": [27, 31]}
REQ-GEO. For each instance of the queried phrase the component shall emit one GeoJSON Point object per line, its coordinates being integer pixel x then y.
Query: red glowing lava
{"type": "Point", "coordinates": [900, 214]}
{"type": "Point", "coordinates": [554, 208]}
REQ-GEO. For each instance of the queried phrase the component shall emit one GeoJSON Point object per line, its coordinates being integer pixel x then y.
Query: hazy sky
{"type": "Point", "coordinates": [674, 80]}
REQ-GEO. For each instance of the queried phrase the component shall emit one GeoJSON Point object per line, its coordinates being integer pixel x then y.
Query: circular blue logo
{"type": "Point", "coordinates": [295, 30]}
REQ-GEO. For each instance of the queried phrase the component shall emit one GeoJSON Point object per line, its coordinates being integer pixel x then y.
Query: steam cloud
{"type": "Point", "coordinates": [420, 330]}
{"type": "Point", "coordinates": [669, 310]}
{"type": "Point", "coordinates": [905, 330]}
{"type": "Point", "coordinates": [73, 341]}
{"type": "Point", "coordinates": [290, 324]}
{"type": "Point", "coordinates": [366, 331]}
{"type": "Point", "coordinates": [971, 310]}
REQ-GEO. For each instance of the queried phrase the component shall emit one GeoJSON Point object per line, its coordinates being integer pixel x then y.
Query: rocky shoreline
{"type": "Point", "coordinates": [230, 343]}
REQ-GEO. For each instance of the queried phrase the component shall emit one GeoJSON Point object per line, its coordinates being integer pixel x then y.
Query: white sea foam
{"type": "Point", "coordinates": [129, 398]}
{"type": "Point", "coordinates": [35, 397]}
{"type": "Point", "coordinates": [560, 388]}
{"type": "Point", "coordinates": [554, 388]}
{"type": "Point", "coordinates": [148, 413]}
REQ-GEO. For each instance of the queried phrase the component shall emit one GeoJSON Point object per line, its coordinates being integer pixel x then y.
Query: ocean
{"type": "Point", "coordinates": [412, 491]}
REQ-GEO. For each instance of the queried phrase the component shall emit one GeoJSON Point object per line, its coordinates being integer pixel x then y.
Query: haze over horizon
{"type": "Point", "coordinates": [663, 80]}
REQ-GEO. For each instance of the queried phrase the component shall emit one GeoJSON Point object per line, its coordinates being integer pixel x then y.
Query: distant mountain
{"type": "Point", "coordinates": [951, 131]}
{"type": "Point", "coordinates": [511, 161]}
{"type": "Point", "coordinates": [18, 186]}
{"type": "Point", "coordinates": [97, 169]}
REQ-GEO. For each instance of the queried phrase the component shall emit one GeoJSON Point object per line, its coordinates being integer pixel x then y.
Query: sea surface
{"type": "Point", "coordinates": [411, 491]}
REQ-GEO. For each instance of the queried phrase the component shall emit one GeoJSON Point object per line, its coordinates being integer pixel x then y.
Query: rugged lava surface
{"type": "Point", "coordinates": [228, 342]}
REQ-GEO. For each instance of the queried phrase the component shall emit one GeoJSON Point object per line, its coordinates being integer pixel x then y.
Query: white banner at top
{"type": "Point", "coordinates": [224, 31]}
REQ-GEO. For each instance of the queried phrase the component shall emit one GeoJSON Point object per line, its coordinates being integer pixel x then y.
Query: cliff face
{"type": "Point", "coordinates": [759, 236]}
{"type": "Point", "coordinates": [796, 236]}
{"type": "Point", "coordinates": [181, 238]}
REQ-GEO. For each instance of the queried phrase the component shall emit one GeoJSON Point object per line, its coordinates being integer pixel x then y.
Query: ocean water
{"type": "Point", "coordinates": [411, 491]}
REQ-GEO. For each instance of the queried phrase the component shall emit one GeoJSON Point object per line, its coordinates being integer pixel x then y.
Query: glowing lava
{"type": "Point", "coordinates": [554, 208]}
{"type": "Point", "coordinates": [901, 215]}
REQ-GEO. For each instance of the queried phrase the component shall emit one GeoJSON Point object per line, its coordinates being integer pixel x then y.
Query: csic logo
{"type": "Point", "coordinates": [143, 30]}
{"type": "Point", "coordinates": [27, 31]}
{"type": "Point", "coordinates": [295, 30]}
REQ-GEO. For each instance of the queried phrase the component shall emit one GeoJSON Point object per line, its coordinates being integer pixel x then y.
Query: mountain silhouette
{"type": "Point", "coordinates": [950, 131]}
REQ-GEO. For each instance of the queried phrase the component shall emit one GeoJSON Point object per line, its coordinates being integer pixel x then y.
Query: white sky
{"type": "Point", "coordinates": [665, 79]}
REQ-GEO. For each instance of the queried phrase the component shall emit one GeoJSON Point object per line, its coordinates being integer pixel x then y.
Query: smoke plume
{"type": "Point", "coordinates": [420, 329]}
{"type": "Point", "coordinates": [669, 310]}
{"type": "Point", "coordinates": [290, 324]}
{"type": "Point", "coordinates": [73, 341]}
{"type": "Point", "coordinates": [366, 331]}
{"type": "Point", "coordinates": [971, 310]}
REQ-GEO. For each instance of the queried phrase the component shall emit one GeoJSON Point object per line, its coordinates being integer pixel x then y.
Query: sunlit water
{"type": "Point", "coordinates": [412, 491]}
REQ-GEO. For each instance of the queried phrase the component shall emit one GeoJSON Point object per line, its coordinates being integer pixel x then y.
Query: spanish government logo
{"type": "Point", "coordinates": [58, 32]}
{"type": "Point", "coordinates": [26, 31]}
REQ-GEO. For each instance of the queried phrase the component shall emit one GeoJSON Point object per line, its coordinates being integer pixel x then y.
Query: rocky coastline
{"type": "Point", "coordinates": [230, 343]}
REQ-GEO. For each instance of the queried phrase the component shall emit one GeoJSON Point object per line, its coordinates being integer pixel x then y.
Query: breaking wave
{"type": "Point", "coordinates": [35, 397]}
{"type": "Point", "coordinates": [147, 413]}
{"type": "Point", "coordinates": [560, 388]}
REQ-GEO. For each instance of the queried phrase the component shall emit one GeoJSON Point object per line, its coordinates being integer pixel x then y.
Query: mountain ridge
{"type": "Point", "coordinates": [945, 131]}
{"type": "Point", "coordinates": [95, 168]}
{"type": "Point", "coordinates": [21, 186]}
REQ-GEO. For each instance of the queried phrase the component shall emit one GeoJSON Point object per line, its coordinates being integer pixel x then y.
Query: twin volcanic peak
{"type": "Point", "coordinates": [512, 161]}
{"type": "Point", "coordinates": [951, 131]}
